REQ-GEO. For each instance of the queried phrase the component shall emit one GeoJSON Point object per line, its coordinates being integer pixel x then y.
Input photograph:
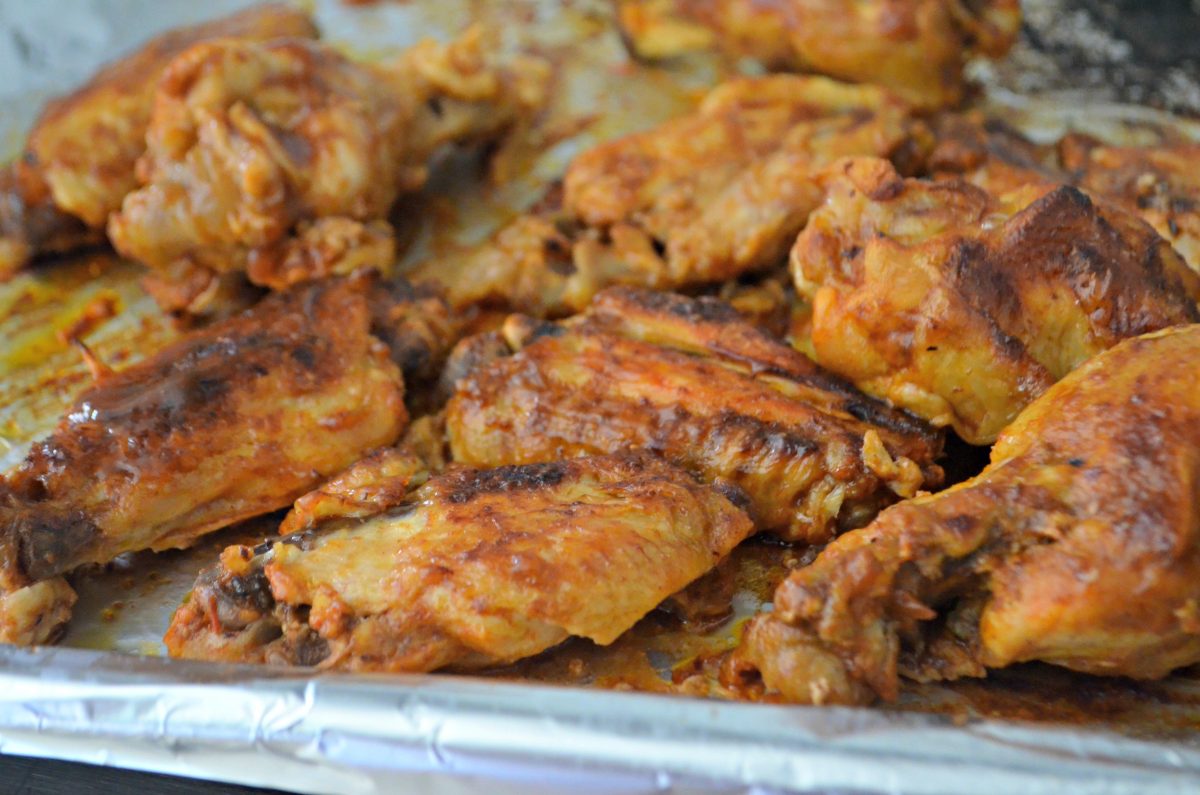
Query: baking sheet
{"type": "Point", "coordinates": [362, 734]}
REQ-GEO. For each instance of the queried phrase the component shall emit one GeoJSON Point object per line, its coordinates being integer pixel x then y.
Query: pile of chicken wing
{"type": "Point", "coordinates": [763, 318]}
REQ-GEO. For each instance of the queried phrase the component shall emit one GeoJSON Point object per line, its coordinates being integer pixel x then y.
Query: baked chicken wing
{"type": "Point", "coordinates": [916, 48]}
{"type": "Point", "coordinates": [698, 199]}
{"type": "Point", "coordinates": [1079, 545]}
{"type": "Point", "coordinates": [79, 159]}
{"type": "Point", "coordinates": [478, 567]}
{"type": "Point", "coordinates": [233, 421]}
{"type": "Point", "coordinates": [689, 379]}
{"type": "Point", "coordinates": [962, 306]}
{"type": "Point", "coordinates": [989, 154]}
{"type": "Point", "coordinates": [1159, 183]}
{"type": "Point", "coordinates": [281, 160]}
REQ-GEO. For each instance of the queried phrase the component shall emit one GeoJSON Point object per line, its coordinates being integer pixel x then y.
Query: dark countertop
{"type": "Point", "coordinates": [25, 776]}
{"type": "Point", "coordinates": [1137, 51]}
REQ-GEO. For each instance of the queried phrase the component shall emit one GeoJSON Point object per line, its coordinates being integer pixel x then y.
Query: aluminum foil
{"type": "Point", "coordinates": [343, 734]}
{"type": "Point", "coordinates": [106, 698]}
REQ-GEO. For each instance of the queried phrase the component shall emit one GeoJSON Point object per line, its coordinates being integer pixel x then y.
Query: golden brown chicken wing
{"type": "Point", "coordinates": [699, 199]}
{"type": "Point", "coordinates": [1079, 545]}
{"type": "Point", "coordinates": [281, 160]}
{"type": "Point", "coordinates": [236, 420]}
{"type": "Point", "coordinates": [963, 307]}
{"type": "Point", "coordinates": [79, 159]}
{"type": "Point", "coordinates": [1159, 183]}
{"type": "Point", "coordinates": [689, 379]}
{"type": "Point", "coordinates": [989, 154]}
{"type": "Point", "coordinates": [916, 48]}
{"type": "Point", "coordinates": [480, 567]}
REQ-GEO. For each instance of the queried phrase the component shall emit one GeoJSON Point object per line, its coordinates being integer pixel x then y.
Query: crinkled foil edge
{"type": "Point", "coordinates": [376, 734]}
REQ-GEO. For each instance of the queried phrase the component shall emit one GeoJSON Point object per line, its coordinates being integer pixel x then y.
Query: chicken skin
{"type": "Point", "coordinates": [697, 200]}
{"type": "Point", "coordinates": [479, 567]}
{"type": "Point", "coordinates": [1159, 183]}
{"type": "Point", "coordinates": [1156, 182]}
{"type": "Point", "coordinates": [1079, 545]}
{"type": "Point", "coordinates": [916, 48]}
{"type": "Point", "coordinates": [963, 307]}
{"type": "Point", "coordinates": [79, 159]}
{"type": "Point", "coordinates": [235, 420]}
{"type": "Point", "coordinates": [280, 161]}
{"type": "Point", "coordinates": [692, 381]}
{"type": "Point", "coordinates": [989, 154]}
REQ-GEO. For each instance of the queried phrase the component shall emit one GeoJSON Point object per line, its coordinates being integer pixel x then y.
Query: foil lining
{"type": "Point", "coordinates": [99, 703]}
{"type": "Point", "coordinates": [344, 734]}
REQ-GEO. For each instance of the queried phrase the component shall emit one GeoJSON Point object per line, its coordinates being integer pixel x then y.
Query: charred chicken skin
{"type": "Point", "coordinates": [280, 160]}
{"type": "Point", "coordinates": [1159, 183]}
{"type": "Point", "coordinates": [962, 306]}
{"type": "Point", "coordinates": [1154, 181]}
{"type": "Point", "coordinates": [235, 420]}
{"type": "Point", "coordinates": [916, 48]}
{"type": "Point", "coordinates": [79, 159]}
{"type": "Point", "coordinates": [1079, 545]}
{"type": "Point", "coordinates": [696, 200]}
{"type": "Point", "coordinates": [692, 381]}
{"type": "Point", "coordinates": [478, 567]}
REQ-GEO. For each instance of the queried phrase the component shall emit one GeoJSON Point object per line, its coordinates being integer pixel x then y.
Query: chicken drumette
{"type": "Point", "coordinates": [475, 568]}
{"type": "Point", "coordinates": [696, 200]}
{"type": "Point", "coordinates": [916, 48]}
{"type": "Point", "coordinates": [963, 306]}
{"type": "Point", "coordinates": [1079, 545]}
{"type": "Point", "coordinates": [280, 160]}
{"type": "Point", "coordinates": [79, 159]}
{"type": "Point", "coordinates": [691, 380]}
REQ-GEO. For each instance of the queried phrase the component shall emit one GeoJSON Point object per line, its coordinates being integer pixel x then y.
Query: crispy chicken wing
{"type": "Point", "coordinates": [699, 199]}
{"type": "Point", "coordinates": [1159, 183]}
{"type": "Point", "coordinates": [281, 160]}
{"type": "Point", "coordinates": [480, 567]}
{"type": "Point", "coordinates": [79, 159]}
{"type": "Point", "coordinates": [916, 48]}
{"type": "Point", "coordinates": [989, 154]}
{"type": "Point", "coordinates": [1079, 545]}
{"type": "Point", "coordinates": [235, 420]}
{"type": "Point", "coordinates": [963, 307]}
{"type": "Point", "coordinates": [689, 379]}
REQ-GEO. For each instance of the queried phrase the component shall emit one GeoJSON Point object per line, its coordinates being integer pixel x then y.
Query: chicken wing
{"type": "Point", "coordinates": [31, 225]}
{"type": "Point", "coordinates": [281, 160]}
{"type": "Point", "coordinates": [236, 420]}
{"type": "Point", "coordinates": [480, 567]}
{"type": "Point", "coordinates": [989, 154]}
{"type": "Point", "coordinates": [916, 48]}
{"type": "Point", "coordinates": [1159, 183]}
{"type": "Point", "coordinates": [1079, 545]}
{"type": "Point", "coordinates": [963, 307]}
{"type": "Point", "coordinates": [79, 159]}
{"type": "Point", "coordinates": [699, 199]}
{"type": "Point", "coordinates": [691, 380]}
